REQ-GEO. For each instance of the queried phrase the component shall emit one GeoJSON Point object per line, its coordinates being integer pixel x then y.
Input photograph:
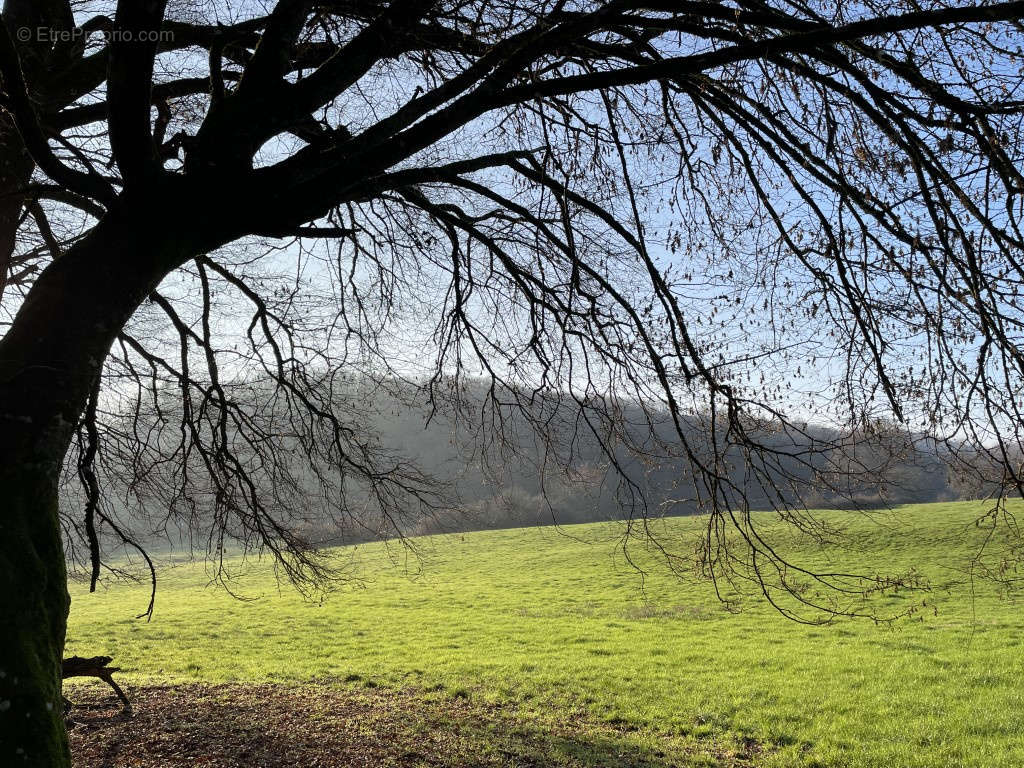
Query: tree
{"type": "Point", "coordinates": [734, 211]}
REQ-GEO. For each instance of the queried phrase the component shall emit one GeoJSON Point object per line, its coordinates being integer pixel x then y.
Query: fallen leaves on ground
{"type": "Point", "coordinates": [322, 726]}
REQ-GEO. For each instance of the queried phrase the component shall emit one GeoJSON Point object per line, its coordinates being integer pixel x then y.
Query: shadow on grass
{"type": "Point", "coordinates": [235, 725]}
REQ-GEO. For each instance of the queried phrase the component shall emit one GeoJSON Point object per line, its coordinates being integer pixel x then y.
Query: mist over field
{"type": "Point", "coordinates": [492, 470]}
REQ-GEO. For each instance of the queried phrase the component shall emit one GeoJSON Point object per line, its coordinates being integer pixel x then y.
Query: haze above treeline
{"type": "Point", "coordinates": [498, 471]}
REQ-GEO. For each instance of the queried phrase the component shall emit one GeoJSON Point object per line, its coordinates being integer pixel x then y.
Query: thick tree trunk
{"type": "Point", "coordinates": [49, 361]}
{"type": "Point", "coordinates": [34, 605]}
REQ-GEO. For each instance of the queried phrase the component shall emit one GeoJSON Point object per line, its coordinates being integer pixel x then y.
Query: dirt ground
{"type": "Point", "coordinates": [232, 725]}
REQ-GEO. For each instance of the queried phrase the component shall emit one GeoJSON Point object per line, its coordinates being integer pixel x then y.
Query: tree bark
{"type": "Point", "coordinates": [34, 604]}
{"type": "Point", "coordinates": [49, 361]}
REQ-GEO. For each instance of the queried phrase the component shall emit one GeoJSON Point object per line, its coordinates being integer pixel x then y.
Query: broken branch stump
{"type": "Point", "coordinates": [96, 666]}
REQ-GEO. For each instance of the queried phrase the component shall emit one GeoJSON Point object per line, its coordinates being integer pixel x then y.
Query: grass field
{"type": "Point", "coordinates": [554, 626]}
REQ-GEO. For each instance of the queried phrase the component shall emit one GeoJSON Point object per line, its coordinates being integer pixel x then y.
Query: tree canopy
{"type": "Point", "coordinates": [744, 214]}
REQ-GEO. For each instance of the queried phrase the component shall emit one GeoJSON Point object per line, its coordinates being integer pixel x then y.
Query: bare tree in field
{"type": "Point", "coordinates": [732, 212]}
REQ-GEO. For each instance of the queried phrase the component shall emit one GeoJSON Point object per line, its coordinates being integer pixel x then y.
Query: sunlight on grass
{"type": "Point", "coordinates": [558, 624]}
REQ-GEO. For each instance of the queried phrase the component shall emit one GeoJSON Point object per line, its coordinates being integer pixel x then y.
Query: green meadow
{"type": "Point", "coordinates": [556, 624]}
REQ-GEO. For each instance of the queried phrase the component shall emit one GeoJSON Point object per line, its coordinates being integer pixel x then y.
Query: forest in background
{"type": "Point", "coordinates": [516, 482]}
{"type": "Point", "coordinates": [491, 470]}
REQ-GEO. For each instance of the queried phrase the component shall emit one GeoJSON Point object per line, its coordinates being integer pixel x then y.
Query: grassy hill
{"type": "Point", "coordinates": [554, 624]}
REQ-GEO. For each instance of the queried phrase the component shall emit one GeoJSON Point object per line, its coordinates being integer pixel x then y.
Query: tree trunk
{"type": "Point", "coordinates": [34, 605]}
{"type": "Point", "coordinates": [49, 361]}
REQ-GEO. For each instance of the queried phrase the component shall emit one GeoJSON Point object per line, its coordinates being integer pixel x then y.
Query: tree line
{"type": "Point", "coordinates": [484, 480]}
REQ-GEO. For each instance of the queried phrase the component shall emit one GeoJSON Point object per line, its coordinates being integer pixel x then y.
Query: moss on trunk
{"type": "Point", "coordinates": [34, 607]}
